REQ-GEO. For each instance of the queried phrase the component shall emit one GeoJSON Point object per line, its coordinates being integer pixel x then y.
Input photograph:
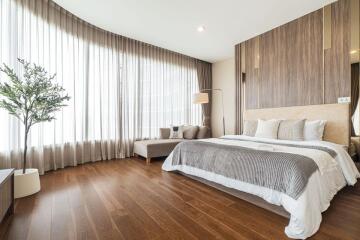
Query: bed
{"type": "Point", "coordinates": [296, 179]}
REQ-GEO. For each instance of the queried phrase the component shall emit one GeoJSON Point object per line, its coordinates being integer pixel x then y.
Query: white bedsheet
{"type": "Point", "coordinates": [306, 211]}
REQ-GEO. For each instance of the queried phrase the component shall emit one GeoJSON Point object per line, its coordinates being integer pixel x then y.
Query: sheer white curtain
{"type": "Point", "coordinates": [120, 89]}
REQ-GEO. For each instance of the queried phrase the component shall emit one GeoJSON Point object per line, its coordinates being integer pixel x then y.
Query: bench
{"type": "Point", "coordinates": [155, 148]}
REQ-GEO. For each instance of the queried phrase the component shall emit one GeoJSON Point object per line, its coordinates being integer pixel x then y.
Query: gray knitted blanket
{"type": "Point", "coordinates": [284, 172]}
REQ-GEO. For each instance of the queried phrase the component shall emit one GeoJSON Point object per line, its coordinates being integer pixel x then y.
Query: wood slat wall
{"type": "Point", "coordinates": [337, 67]}
{"type": "Point", "coordinates": [288, 65]}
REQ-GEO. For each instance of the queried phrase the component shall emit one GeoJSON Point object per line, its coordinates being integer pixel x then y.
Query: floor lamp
{"type": "Point", "coordinates": [203, 98]}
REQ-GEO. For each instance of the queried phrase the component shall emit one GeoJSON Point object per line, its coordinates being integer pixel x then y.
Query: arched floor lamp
{"type": "Point", "coordinates": [203, 98]}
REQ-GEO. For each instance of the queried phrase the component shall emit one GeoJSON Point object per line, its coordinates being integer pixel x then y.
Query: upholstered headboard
{"type": "Point", "coordinates": [338, 119]}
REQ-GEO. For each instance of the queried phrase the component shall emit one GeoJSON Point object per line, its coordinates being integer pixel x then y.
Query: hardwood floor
{"type": "Point", "coordinates": [127, 199]}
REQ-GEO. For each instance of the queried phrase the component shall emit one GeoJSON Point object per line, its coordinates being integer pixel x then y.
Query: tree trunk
{"type": "Point", "coordinates": [25, 142]}
{"type": "Point", "coordinates": [25, 150]}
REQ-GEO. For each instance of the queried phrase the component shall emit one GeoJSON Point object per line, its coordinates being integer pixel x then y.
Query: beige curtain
{"type": "Point", "coordinates": [354, 93]}
{"type": "Point", "coordinates": [121, 89]}
{"type": "Point", "coordinates": [204, 74]}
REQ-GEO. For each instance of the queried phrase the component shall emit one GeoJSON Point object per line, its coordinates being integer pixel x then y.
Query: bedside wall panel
{"type": "Point", "coordinates": [288, 65]}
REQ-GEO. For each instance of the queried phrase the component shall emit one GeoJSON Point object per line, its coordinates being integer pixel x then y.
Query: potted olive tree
{"type": "Point", "coordinates": [32, 98]}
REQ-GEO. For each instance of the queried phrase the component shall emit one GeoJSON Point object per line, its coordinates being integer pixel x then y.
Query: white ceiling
{"type": "Point", "coordinates": [172, 24]}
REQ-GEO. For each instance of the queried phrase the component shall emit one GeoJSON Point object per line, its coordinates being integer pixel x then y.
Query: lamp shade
{"type": "Point", "coordinates": [200, 98]}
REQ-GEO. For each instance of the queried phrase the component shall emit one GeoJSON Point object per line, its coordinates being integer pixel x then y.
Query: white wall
{"type": "Point", "coordinates": [223, 76]}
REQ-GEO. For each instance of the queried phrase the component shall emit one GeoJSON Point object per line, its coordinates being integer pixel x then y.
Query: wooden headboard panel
{"type": "Point", "coordinates": [337, 128]}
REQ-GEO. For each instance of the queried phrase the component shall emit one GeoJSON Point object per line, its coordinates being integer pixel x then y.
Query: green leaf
{"type": "Point", "coordinates": [33, 98]}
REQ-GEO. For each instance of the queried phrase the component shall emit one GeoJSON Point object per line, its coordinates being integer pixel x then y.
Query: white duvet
{"type": "Point", "coordinates": [305, 219]}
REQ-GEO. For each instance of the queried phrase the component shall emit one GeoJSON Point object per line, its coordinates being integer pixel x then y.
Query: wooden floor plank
{"type": "Point", "coordinates": [61, 210]}
{"type": "Point", "coordinates": [127, 199]}
{"type": "Point", "coordinates": [96, 211]}
{"type": "Point", "coordinates": [20, 222]}
{"type": "Point", "coordinates": [267, 230]}
{"type": "Point", "coordinates": [84, 227]}
{"type": "Point", "coordinates": [130, 189]}
{"type": "Point", "coordinates": [41, 217]}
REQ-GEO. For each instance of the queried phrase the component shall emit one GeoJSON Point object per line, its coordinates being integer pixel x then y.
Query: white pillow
{"type": "Point", "coordinates": [176, 132]}
{"type": "Point", "coordinates": [267, 128]}
{"type": "Point", "coordinates": [314, 130]}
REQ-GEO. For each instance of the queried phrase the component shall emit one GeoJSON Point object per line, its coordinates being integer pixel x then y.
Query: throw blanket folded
{"type": "Point", "coordinates": [284, 172]}
{"type": "Point", "coordinates": [331, 152]}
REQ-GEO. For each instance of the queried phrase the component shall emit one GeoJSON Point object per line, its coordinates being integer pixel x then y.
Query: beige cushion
{"type": "Point", "coordinates": [203, 132]}
{"type": "Point", "coordinates": [250, 127]}
{"type": "Point", "coordinates": [190, 132]}
{"type": "Point", "coordinates": [291, 130]}
{"type": "Point", "coordinates": [267, 128]}
{"type": "Point", "coordinates": [164, 133]}
{"type": "Point", "coordinates": [156, 147]}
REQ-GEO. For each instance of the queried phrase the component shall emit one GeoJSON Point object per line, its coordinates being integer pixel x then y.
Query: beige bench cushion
{"type": "Point", "coordinates": [156, 147]}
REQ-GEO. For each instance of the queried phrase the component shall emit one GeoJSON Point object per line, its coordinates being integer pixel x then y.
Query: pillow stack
{"type": "Point", "coordinates": [184, 132]}
{"type": "Point", "coordinates": [294, 130]}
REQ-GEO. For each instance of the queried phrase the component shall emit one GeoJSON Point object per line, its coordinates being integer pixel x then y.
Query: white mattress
{"type": "Point", "coordinates": [305, 212]}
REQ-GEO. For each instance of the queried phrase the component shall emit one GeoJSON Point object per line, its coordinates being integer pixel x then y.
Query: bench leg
{"type": "Point", "coordinates": [148, 160]}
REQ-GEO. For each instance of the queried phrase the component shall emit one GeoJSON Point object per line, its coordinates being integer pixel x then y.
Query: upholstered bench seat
{"type": "Point", "coordinates": [165, 145]}
{"type": "Point", "coordinates": [155, 148]}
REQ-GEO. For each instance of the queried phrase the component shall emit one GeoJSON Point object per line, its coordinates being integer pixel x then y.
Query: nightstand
{"type": "Point", "coordinates": [6, 193]}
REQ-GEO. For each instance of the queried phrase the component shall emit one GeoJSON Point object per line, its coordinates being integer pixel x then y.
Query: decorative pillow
{"type": "Point", "coordinates": [250, 127]}
{"type": "Point", "coordinates": [314, 130]}
{"type": "Point", "coordinates": [164, 133]}
{"type": "Point", "coordinates": [176, 132]}
{"type": "Point", "coordinates": [202, 133]}
{"type": "Point", "coordinates": [291, 130]}
{"type": "Point", "coordinates": [267, 128]}
{"type": "Point", "coordinates": [190, 132]}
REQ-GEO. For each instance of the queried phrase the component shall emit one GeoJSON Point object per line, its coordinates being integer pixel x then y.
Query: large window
{"type": "Point", "coordinates": [120, 89]}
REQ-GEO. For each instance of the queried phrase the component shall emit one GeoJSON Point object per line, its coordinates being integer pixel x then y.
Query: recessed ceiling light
{"type": "Point", "coordinates": [201, 29]}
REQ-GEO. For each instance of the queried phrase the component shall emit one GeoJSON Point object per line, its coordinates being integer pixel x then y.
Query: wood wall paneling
{"type": "Point", "coordinates": [295, 66]}
{"type": "Point", "coordinates": [290, 63]}
{"type": "Point", "coordinates": [327, 26]}
{"type": "Point", "coordinates": [252, 75]}
{"type": "Point", "coordinates": [337, 67]}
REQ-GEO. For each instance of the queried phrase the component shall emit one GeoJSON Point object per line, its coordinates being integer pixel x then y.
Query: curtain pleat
{"type": "Point", "coordinates": [355, 78]}
{"type": "Point", "coordinates": [121, 89]}
{"type": "Point", "coordinates": [204, 75]}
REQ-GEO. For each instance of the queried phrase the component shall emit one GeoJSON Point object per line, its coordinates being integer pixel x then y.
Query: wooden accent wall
{"type": "Point", "coordinates": [337, 66]}
{"type": "Point", "coordinates": [288, 65]}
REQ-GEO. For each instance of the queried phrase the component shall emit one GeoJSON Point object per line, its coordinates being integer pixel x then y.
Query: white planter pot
{"type": "Point", "coordinates": [26, 184]}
